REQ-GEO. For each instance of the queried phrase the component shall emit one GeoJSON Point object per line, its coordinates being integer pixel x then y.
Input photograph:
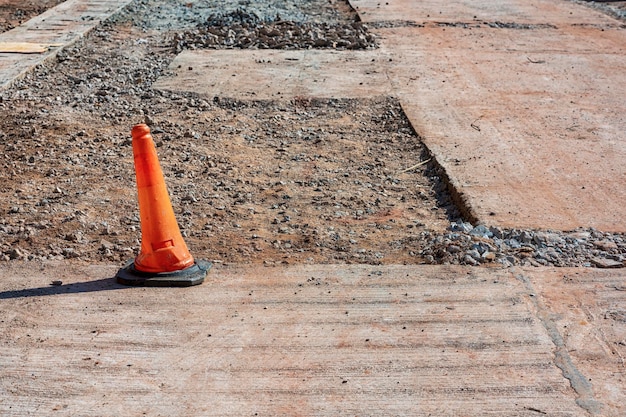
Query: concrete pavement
{"type": "Point", "coordinates": [322, 340]}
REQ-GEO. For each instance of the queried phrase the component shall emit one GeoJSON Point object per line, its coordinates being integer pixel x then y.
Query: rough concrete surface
{"type": "Point", "coordinates": [588, 311]}
{"type": "Point", "coordinates": [531, 127]}
{"type": "Point", "coordinates": [273, 75]}
{"type": "Point", "coordinates": [466, 11]}
{"type": "Point", "coordinates": [306, 340]}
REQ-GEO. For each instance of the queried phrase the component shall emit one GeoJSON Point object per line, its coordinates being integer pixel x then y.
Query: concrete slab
{"type": "Point", "coordinates": [272, 74]}
{"type": "Point", "coordinates": [537, 12]}
{"type": "Point", "coordinates": [57, 27]}
{"type": "Point", "coordinates": [586, 309]}
{"type": "Point", "coordinates": [303, 340]}
{"type": "Point", "coordinates": [528, 124]}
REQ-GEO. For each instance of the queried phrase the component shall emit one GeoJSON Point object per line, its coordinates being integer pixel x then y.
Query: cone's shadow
{"type": "Point", "coordinates": [105, 284]}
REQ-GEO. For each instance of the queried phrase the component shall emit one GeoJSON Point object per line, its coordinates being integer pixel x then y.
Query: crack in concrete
{"type": "Point", "coordinates": [578, 381]}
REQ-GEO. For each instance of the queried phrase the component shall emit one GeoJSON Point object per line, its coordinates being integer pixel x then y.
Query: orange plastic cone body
{"type": "Point", "coordinates": [162, 246]}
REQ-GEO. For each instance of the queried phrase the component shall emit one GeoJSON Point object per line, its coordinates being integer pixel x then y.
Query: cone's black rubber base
{"type": "Point", "coordinates": [187, 277]}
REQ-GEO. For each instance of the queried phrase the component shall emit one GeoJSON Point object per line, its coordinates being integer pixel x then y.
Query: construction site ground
{"type": "Point", "coordinates": [412, 208]}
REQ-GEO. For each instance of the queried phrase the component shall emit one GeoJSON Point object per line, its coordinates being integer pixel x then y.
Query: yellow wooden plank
{"type": "Point", "coordinates": [25, 47]}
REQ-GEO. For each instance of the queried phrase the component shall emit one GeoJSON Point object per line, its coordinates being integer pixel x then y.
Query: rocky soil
{"type": "Point", "coordinates": [271, 182]}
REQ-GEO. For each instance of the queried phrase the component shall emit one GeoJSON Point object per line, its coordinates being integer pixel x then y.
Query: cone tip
{"type": "Point", "coordinates": [140, 130]}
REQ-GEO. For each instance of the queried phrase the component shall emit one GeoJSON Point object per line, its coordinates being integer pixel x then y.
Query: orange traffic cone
{"type": "Point", "coordinates": [164, 259]}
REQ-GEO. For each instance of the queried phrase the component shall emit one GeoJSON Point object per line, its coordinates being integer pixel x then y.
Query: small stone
{"type": "Point", "coordinates": [513, 243]}
{"type": "Point", "coordinates": [461, 227]}
{"type": "Point", "coordinates": [70, 253]}
{"type": "Point", "coordinates": [453, 249]}
{"type": "Point", "coordinates": [605, 245]}
{"type": "Point", "coordinates": [474, 254]}
{"type": "Point", "coordinates": [580, 236]}
{"type": "Point", "coordinates": [469, 260]}
{"type": "Point", "coordinates": [74, 237]}
{"type": "Point", "coordinates": [482, 247]}
{"type": "Point", "coordinates": [526, 237]}
{"type": "Point", "coordinates": [547, 238]}
{"type": "Point", "coordinates": [17, 253]}
{"type": "Point", "coordinates": [489, 256]}
{"type": "Point", "coordinates": [607, 263]}
{"type": "Point", "coordinates": [481, 230]}
{"type": "Point", "coordinates": [106, 245]}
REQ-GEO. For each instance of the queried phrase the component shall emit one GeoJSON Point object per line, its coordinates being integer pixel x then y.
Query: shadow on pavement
{"type": "Point", "coordinates": [105, 284]}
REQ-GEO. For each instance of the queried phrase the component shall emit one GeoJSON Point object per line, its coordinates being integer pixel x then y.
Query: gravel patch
{"type": "Point", "coordinates": [241, 29]}
{"type": "Point", "coordinates": [474, 245]}
{"type": "Point", "coordinates": [188, 14]}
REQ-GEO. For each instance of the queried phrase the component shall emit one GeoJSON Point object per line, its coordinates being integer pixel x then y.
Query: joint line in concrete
{"type": "Point", "coordinates": [578, 381]}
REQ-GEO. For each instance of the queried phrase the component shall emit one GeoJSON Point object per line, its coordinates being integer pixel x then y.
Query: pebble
{"type": "Point", "coordinates": [469, 260]}
{"type": "Point", "coordinates": [481, 231]}
{"type": "Point", "coordinates": [605, 245]}
{"type": "Point", "coordinates": [606, 263]}
{"type": "Point", "coordinates": [454, 249]}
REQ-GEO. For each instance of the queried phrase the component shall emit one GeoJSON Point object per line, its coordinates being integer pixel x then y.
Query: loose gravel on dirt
{"type": "Point", "coordinates": [273, 182]}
